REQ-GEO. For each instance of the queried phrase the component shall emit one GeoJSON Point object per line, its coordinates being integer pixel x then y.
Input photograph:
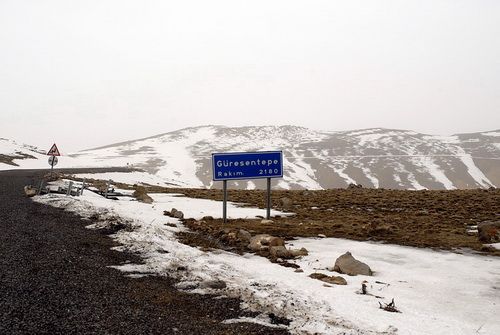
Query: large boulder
{"type": "Point", "coordinates": [244, 235]}
{"type": "Point", "coordinates": [279, 252]}
{"type": "Point", "coordinates": [351, 266]}
{"type": "Point", "coordinates": [259, 241]}
{"type": "Point", "coordinates": [489, 231]}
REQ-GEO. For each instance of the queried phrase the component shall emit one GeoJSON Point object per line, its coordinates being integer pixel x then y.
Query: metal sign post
{"type": "Point", "coordinates": [53, 152]}
{"type": "Point", "coordinates": [247, 165]}
{"type": "Point", "coordinates": [268, 213]}
{"type": "Point", "coordinates": [52, 162]}
{"type": "Point", "coordinates": [224, 203]}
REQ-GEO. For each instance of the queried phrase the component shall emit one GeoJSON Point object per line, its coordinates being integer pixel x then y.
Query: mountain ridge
{"type": "Point", "coordinates": [372, 157]}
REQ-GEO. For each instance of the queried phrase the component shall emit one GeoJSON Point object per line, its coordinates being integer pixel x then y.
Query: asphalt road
{"type": "Point", "coordinates": [55, 279]}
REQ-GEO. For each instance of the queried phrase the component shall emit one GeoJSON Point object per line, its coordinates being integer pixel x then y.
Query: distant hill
{"type": "Point", "coordinates": [388, 158]}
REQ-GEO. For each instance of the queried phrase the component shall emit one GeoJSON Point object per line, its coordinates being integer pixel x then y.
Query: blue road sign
{"type": "Point", "coordinates": [247, 165]}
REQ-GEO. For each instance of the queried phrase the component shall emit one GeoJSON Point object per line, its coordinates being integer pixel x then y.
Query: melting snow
{"type": "Point", "coordinates": [437, 292]}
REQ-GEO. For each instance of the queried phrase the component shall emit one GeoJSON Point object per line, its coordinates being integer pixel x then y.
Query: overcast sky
{"type": "Point", "coordinates": [89, 73]}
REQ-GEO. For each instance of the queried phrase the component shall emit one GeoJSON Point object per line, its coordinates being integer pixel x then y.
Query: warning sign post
{"type": "Point", "coordinates": [53, 152]}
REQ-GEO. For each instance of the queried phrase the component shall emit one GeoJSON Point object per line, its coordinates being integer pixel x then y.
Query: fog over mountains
{"type": "Point", "coordinates": [377, 157]}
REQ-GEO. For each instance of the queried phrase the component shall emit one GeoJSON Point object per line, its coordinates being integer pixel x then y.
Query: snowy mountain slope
{"type": "Point", "coordinates": [375, 157]}
{"type": "Point", "coordinates": [12, 153]}
{"type": "Point", "coordinates": [315, 160]}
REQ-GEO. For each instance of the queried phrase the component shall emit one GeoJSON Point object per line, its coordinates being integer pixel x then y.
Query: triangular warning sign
{"type": "Point", "coordinates": [53, 151]}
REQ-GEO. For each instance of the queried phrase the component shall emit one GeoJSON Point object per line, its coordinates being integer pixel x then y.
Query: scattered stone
{"type": "Point", "coordinates": [244, 235]}
{"type": "Point", "coordinates": [279, 252]}
{"type": "Point", "coordinates": [289, 265]}
{"type": "Point", "coordinates": [256, 242]}
{"type": "Point", "coordinates": [29, 191]}
{"type": "Point", "coordinates": [178, 215]}
{"type": "Point", "coordinates": [265, 221]}
{"type": "Point", "coordinates": [286, 203]}
{"type": "Point", "coordinates": [321, 235]}
{"type": "Point", "coordinates": [141, 195]}
{"type": "Point", "coordinates": [207, 218]}
{"type": "Point", "coordinates": [336, 280]}
{"type": "Point", "coordinates": [349, 265]}
{"type": "Point", "coordinates": [299, 252]}
{"type": "Point", "coordinates": [276, 320]}
{"type": "Point", "coordinates": [487, 248]}
{"type": "Point", "coordinates": [489, 231]}
{"type": "Point", "coordinates": [162, 251]}
{"type": "Point", "coordinates": [172, 225]}
{"type": "Point", "coordinates": [214, 284]}
{"type": "Point", "coordinates": [275, 241]}
{"type": "Point", "coordinates": [173, 211]}
{"type": "Point", "coordinates": [167, 213]}
{"type": "Point", "coordinates": [299, 270]}
{"type": "Point", "coordinates": [354, 186]}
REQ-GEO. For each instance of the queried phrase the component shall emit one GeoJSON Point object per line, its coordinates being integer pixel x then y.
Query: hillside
{"type": "Point", "coordinates": [380, 158]}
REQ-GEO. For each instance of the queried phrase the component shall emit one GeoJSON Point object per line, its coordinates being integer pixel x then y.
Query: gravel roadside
{"type": "Point", "coordinates": [54, 278]}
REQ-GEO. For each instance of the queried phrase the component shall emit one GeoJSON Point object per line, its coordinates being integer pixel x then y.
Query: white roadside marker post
{"type": "Point", "coordinates": [40, 188]}
{"type": "Point", "coordinates": [107, 188]}
{"type": "Point", "coordinates": [83, 186]}
{"type": "Point", "coordinates": [70, 185]}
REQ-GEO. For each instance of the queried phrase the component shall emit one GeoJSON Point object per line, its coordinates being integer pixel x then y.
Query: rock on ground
{"type": "Point", "coordinates": [351, 266]}
{"type": "Point", "coordinates": [489, 231]}
{"type": "Point", "coordinates": [259, 241]}
{"type": "Point", "coordinates": [141, 195]}
{"type": "Point", "coordinates": [336, 280]}
{"type": "Point", "coordinates": [29, 191]}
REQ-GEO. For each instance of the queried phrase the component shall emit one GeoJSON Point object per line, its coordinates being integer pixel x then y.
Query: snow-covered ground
{"type": "Point", "coordinates": [437, 292]}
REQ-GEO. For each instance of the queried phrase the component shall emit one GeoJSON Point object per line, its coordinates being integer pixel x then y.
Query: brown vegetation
{"type": "Point", "coordinates": [436, 219]}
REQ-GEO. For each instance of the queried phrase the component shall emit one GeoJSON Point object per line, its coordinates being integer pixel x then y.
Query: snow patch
{"type": "Point", "coordinates": [437, 292]}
